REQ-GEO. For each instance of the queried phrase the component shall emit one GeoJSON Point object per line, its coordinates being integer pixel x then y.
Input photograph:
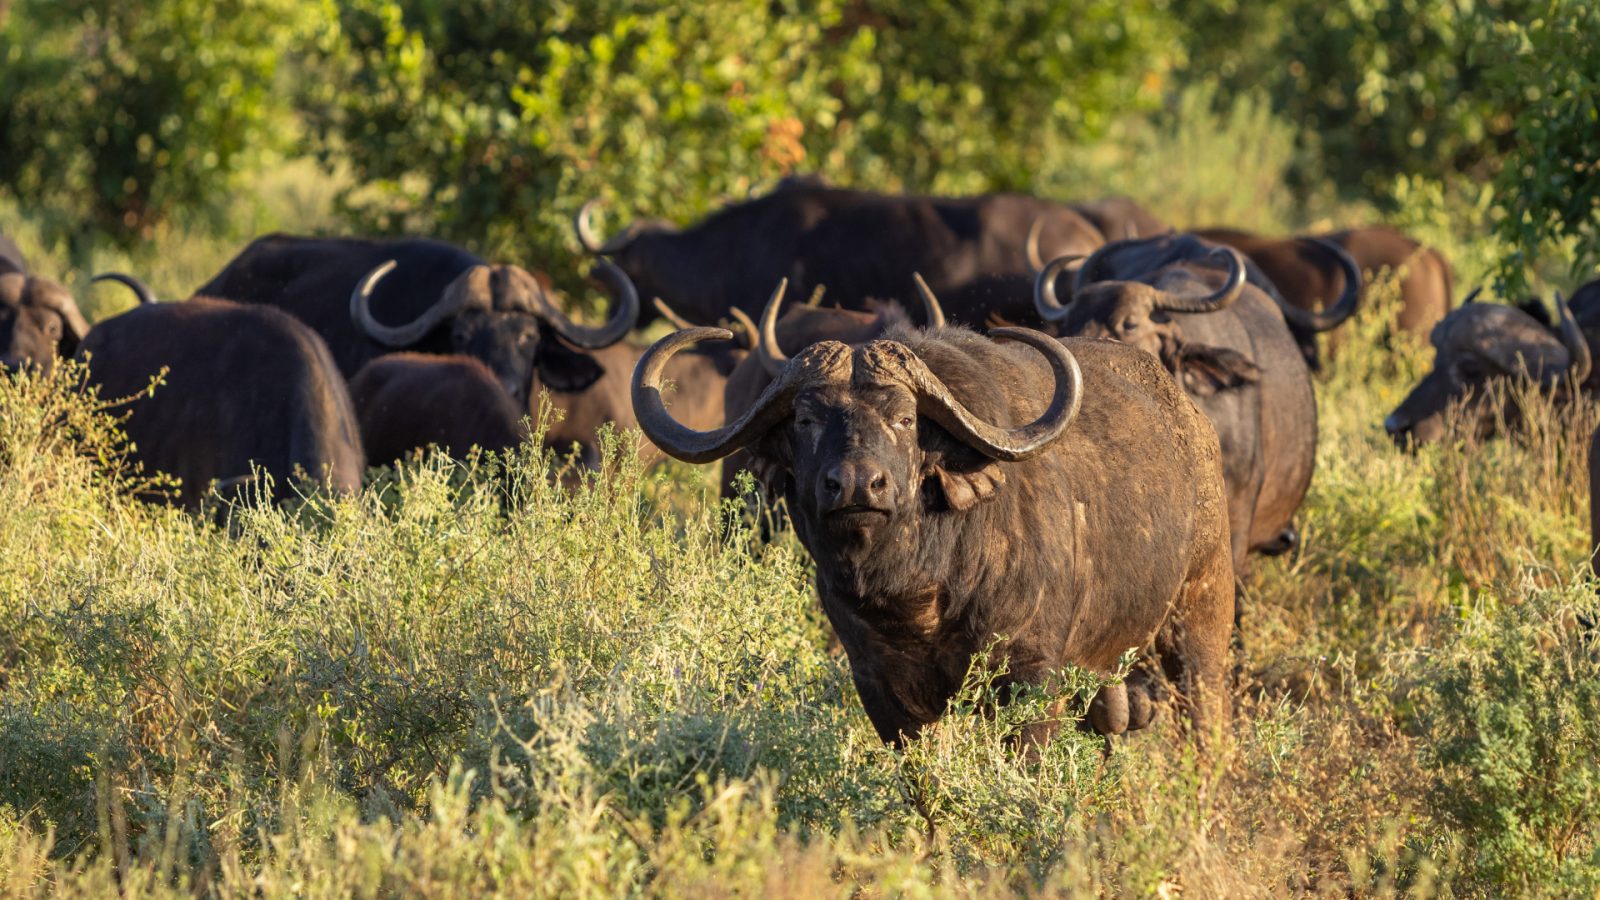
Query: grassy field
{"type": "Point", "coordinates": [467, 681]}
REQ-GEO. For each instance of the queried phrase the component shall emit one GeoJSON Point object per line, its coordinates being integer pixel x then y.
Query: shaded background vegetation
{"type": "Point", "coordinates": [489, 121]}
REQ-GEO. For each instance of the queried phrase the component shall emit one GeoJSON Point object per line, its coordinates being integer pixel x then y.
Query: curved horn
{"type": "Point", "coordinates": [666, 312]}
{"type": "Point", "coordinates": [625, 300]}
{"type": "Point", "coordinates": [1333, 316]}
{"type": "Point", "coordinates": [1005, 444]}
{"type": "Point", "coordinates": [930, 304]}
{"type": "Point", "coordinates": [397, 335]}
{"type": "Point", "coordinates": [767, 349]}
{"type": "Point", "coordinates": [1473, 297]}
{"type": "Point", "coordinates": [1222, 298]}
{"type": "Point", "coordinates": [748, 334]}
{"type": "Point", "coordinates": [139, 288]}
{"type": "Point", "coordinates": [1577, 346]}
{"type": "Point", "coordinates": [583, 226]}
{"type": "Point", "coordinates": [1045, 303]}
{"type": "Point", "coordinates": [681, 442]}
{"type": "Point", "coordinates": [1031, 246]}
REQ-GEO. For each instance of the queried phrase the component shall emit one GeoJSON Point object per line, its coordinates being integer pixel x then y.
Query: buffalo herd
{"type": "Point", "coordinates": [1057, 429]}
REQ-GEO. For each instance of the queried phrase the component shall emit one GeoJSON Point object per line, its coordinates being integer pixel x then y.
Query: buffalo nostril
{"type": "Point", "coordinates": [832, 485]}
{"type": "Point", "coordinates": [879, 484]}
{"type": "Point", "coordinates": [1394, 423]}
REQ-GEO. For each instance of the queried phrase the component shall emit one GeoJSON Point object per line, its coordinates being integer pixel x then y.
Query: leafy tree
{"type": "Point", "coordinates": [119, 115]}
{"type": "Point", "coordinates": [491, 121]}
{"type": "Point", "coordinates": [1548, 193]}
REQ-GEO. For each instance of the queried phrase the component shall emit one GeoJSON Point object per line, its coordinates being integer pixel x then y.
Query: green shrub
{"type": "Point", "coordinates": [1510, 711]}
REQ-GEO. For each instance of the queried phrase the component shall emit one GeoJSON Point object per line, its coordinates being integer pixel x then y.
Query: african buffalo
{"type": "Point", "coordinates": [408, 401]}
{"type": "Point", "coordinates": [1312, 279]}
{"type": "Point", "coordinates": [775, 340]}
{"type": "Point", "coordinates": [368, 297]}
{"type": "Point", "coordinates": [1480, 344]}
{"type": "Point", "coordinates": [1426, 286]}
{"type": "Point", "coordinates": [1190, 304]}
{"type": "Point", "coordinates": [39, 320]}
{"type": "Point", "coordinates": [857, 245]}
{"type": "Point", "coordinates": [1061, 500]}
{"type": "Point", "coordinates": [699, 378]}
{"type": "Point", "coordinates": [245, 388]}
{"type": "Point", "coordinates": [1120, 217]}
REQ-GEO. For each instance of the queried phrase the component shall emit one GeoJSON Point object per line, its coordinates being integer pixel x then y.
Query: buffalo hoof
{"type": "Point", "coordinates": [1108, 711]}
{"type": "Point", "coordinates": [1286, 540]}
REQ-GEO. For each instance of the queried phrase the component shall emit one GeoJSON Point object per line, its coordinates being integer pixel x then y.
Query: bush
{"type": "Point", "coordinates": [117, 117]}
{"type": "Point", "coordinates": [1510, 709]}
{"type": "Point", "coordinates": [1548, 193]}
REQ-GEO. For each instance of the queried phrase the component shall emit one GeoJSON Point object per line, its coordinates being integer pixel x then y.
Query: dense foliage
{"type": "Point", "coordinates": [117, 116]}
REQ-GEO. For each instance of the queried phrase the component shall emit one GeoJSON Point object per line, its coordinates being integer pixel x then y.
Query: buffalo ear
{"type": "Point", "coordinates": [567, 371]}
{"type": "Point", "coordinates": [961, 491]}
{"type": "Point", "coordinates": [1205, 370]}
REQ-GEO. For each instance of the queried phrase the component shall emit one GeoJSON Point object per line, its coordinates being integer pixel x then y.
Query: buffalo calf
{"type": "Point", "coordinates": [408, 401]}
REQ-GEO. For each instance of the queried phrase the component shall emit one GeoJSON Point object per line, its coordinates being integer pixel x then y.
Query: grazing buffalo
{"type": "Point", "coordinates": [699, 379]}
{"type": "Point", "coordinates": [408, 401]}
{"type": "Point", "coordinates": [1312, 278]}
{"type": "Point", "coordinates": [1120, 217]}
{"type": "Point", "coordinates": [39, 320]}
{"type": "Point", "coordinates": [857, 245]}
{"type": "Point", "coordinates": [246, 388]}
{"type": "Point", "coordinates": [1190, 304]}
{"type": "Point", "coordinates": [1480, 344]}
{"type": "Point", "coordinates": [367, 298]}
{"type": "Point", "coordinates": [1060, 501]}
{"type": "Point", "coordinates": [1427, 286]}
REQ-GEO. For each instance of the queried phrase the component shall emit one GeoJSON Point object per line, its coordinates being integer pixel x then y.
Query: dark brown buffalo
{"type": "Point", "coordinates": [408, 401]}
{"type": "Point", "coordinates": [246, 388]}
{"type": "Point", "coordinates": [1120, 217]}
{"type": "Point", "coordinates": [697, 380]}
{"type": "Point", "coordinates": [858, 245]}
{"type": "Point", "coordinates": [1479, 345]}
{"type": "Point", "coordinates": [39, 320]}
{"type": "Point", "coordinates": [1308, 273]}
{"type": "Point", "coordinates": [367, 298]}
{"type": "Point", "coordinates": [1063, 498]}
{"type": "Point", "coordinates": [776, 339]}
{"type": "Point", "coordinates": [1427, 286]}
{"type": "Point", "coordinates": [1311, 279]}
{"type": "Point", "coordinates": [1190, 304]}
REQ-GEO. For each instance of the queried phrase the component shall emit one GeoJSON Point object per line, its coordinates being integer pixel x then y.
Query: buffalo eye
{"type": "Point", "coordinates": [905, 422]}
{"type": "Point", "coordinates": [1131, 323]}
{"type": "Point", "coordinates": [803, 422]}
{"type": "Point", "coordinates": [52, 327]}
{"type": "Point", "coordinates": [1470, 370]}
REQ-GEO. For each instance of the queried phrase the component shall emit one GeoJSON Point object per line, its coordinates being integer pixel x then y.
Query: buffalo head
{"type": "Point", "coordinates": [39, 320]}
{"type": "Point", "coordinates": [501, 316]}
{"type": "Point", "coordinates": [1476, 346]}
{"type": "Point", "coordinates": [868, 436]}
{"type": "Point", "coordinates": [1140, 313]}
{"type": "Point", "coordinates": [632, 248]}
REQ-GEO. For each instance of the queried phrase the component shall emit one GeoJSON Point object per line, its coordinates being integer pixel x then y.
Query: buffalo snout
{"type": "Point", "coordinates": [856, 485]}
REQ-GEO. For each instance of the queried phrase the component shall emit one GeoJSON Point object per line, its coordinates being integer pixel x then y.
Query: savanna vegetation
{"type": "Point", "coordinates": [471, 679]}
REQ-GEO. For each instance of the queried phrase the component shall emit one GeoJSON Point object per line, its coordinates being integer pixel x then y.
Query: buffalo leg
{"type": "Point", "coordinates": [1193, 645]}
